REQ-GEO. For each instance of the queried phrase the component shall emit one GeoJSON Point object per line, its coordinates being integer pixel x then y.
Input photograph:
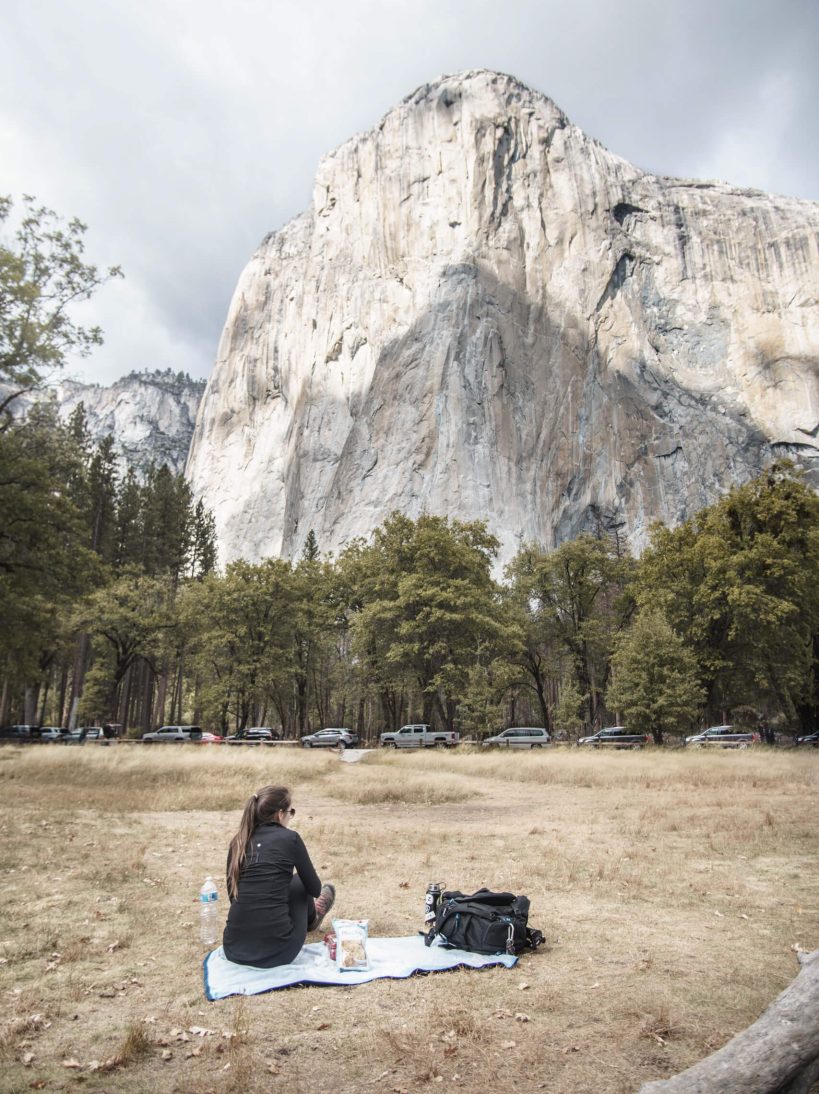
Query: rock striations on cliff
{"type": "Point", "coordinates": [149, 414]}
{"type": "Point", "coordinates": [486, 314]}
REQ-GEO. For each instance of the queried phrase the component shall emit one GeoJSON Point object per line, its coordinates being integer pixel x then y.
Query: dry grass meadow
{"type": "Point", "coordinates": [672, 889]}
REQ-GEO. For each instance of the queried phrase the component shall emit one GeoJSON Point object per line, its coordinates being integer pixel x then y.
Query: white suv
{"type": "Point", "coordinates": [173, 735]}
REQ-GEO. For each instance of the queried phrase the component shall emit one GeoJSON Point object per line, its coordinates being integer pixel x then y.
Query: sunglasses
{"type": "Point", "coordinates": [291, 811]}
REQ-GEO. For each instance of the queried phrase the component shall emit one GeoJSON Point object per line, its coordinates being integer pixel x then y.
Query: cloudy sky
{"type": "Point", "coordinates": [182, 132]}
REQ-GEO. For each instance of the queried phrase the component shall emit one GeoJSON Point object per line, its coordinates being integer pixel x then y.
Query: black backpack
{"type": "Point", "coordinates": [484, 922]}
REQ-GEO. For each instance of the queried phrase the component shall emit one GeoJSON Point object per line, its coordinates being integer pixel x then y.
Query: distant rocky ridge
{"type": "Point", "coordinates": [150, 414]}
{"type": "Point", "coordinates": [486, 314]}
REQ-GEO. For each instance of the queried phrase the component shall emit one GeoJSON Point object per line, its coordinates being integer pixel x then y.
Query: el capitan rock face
{"type": "Point", "coordinates": [485, 314]}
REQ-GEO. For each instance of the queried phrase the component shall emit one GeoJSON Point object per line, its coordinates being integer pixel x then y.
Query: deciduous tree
{"type": "Point", "coordinates": [655, 685]}
{"type": "Point", "coordinates": [42, 274]}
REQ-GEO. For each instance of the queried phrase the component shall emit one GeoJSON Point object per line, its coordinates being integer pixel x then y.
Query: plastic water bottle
{"type": "Point", "coordinates": [209, 913]}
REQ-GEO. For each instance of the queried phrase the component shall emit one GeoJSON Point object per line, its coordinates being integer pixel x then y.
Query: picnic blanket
{"type": "Point", "coordinates": [389, 957]}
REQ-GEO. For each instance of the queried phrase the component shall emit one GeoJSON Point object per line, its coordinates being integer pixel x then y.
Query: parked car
{"type": "Point", "coordinates": [263, 733]}
{"type": "Point", "coordinates": [418, 735]}
{"type": "Point", "coordinates": [51, 733]}
{"type": "Point", "coordinates": [255, 736]}
{"type": "Point", "coordinates": [810, 739]}
{"type": "Point", "coordinates": [616, 737]}
{"type": "Point", "coordinates": [82, 734]}
{"type": "Point", "coordinates": [19, 732]}
{"type": "Point", "coordinates": [210, 739]}
{"type": "Point", "coordinates": [724, 737]}
{"type": "Point", "coordinates": [173, 735]}
{"type": "Point", "coordinates": [519, 737]}
{"type": "Point", "coordinates": [330, 738]}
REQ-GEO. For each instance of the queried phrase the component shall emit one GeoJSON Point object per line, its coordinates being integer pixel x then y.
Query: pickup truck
{"type": "Point", "coordinates": [418, 736]}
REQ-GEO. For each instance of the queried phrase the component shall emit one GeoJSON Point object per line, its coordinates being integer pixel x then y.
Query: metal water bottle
{"type": "Point", "coordinates": [431, 901]}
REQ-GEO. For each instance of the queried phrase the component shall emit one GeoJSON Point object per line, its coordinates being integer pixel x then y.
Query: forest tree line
{"type": "Point", "coordinates": [114, 611]}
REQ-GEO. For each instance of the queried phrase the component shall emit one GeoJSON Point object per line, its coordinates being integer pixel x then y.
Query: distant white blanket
{"type": "Point", "coordinates": [389, 957]}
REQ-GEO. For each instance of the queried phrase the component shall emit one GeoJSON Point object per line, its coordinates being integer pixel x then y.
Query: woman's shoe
{"type": "Point", "coordinates": [324, 902]}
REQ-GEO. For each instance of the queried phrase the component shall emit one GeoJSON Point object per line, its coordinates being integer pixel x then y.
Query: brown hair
{"type": "Point", "coordinates": [262, 807]}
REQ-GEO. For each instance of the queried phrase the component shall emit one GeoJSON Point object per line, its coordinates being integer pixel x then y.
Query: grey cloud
{"type": "Point", "coordinates": [183, 132]}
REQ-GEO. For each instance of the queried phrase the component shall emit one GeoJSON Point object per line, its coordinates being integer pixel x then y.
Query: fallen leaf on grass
{"type": "Point", "coordinates": [502, 1014]}
{"type": "Point", "coordinates": [520, 1017]}
{"type": "Point", "coordinates": [272, 1068]}
{"type": "Point", "coordinates": [450, 1050]}
{"type": "Point", "coordinates": [114, 946]}
{"type": "Point", "coordinates": [323, 1025]}
{"type": "Point", "coordinates": [73, 1064]}
{"type": "Point", "coordinates": [28, 1059]}
{"type": "Point", "coordinates": [403, 885]}
{"type": "Point", "coordinates": [167, 1054]}
{"type": "Point", "coordinates": [38, 1084]}
{"type": "Point", "coordinates": [508, 1044]}
{"type": "Point", "coordinates": [194, 1052]}
{"type": "Point", "coordinates": [523, 987]}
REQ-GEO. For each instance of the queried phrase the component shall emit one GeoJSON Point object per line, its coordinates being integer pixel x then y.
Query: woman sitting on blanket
{"type": "Point", "coordinates": [276, 896]}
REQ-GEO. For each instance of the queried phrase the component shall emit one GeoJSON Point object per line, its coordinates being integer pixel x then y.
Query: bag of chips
{"type": "Point", "coordinates": [351, 943]}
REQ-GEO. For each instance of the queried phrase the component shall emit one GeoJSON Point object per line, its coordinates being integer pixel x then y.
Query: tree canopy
{"type": "Point", "coordinates": [42, 274]}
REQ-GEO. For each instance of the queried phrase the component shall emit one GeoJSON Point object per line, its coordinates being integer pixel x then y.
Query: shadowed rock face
{"type": "Point", "coordinates": [485, 314]}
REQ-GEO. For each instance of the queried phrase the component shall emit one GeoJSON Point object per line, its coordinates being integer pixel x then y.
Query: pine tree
{"type": "Point", "coordinates": [203, 542]}
{"type": "Point", "coordinates": [102, 499]}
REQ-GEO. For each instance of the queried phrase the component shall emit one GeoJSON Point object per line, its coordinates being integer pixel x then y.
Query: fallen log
{"type": "Point", "coordinates": [778, 1054]}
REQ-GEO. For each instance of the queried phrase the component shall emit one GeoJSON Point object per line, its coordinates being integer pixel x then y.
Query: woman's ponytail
{"type": "Point", "coordinates": [261, 807]}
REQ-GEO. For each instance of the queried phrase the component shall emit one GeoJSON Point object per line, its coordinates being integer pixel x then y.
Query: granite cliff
{"type": "Point", "coordinates": [486, 314]}
{"type": "Point", "coordinates": [149, 414]}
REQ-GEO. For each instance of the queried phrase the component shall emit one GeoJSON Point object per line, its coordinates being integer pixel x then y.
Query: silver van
{"type": "Point", "coordinates": [520, 737]}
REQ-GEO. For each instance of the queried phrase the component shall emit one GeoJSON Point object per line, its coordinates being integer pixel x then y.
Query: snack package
{"type": "Point", "coordinates": [351, 943]}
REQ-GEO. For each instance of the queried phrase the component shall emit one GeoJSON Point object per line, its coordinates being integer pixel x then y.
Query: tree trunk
{"type": "Point", "coordinates": [30, 712]}
{"type": "Point", "coordinates": [159, 707]}
{"type": "Point", "coordinates": [61, 712]}
{"type": "Point", "coordinates": [197, 711]}
{"type": "Point", "coordinates": [301, 704]}
{"type": "Point", "coordinates": [180, 689]}
{"type": "Point", "coordinates": [778, 1054]}
{"type": "Point", "coordinates": [125, 699]}
{"type": "Point", "coordinates": [78, 680]}
{"type": "Point", "coordinates": [41, 717]}
{"type": "Point", "coordinates": [4, 701]}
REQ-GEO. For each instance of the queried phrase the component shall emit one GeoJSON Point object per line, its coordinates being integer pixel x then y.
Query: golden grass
{"type": "Point", "coordinates": [671, 888]}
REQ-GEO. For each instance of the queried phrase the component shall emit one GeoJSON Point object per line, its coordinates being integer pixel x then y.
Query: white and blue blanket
{"type": "Point", "coordinates": [388, 957]}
